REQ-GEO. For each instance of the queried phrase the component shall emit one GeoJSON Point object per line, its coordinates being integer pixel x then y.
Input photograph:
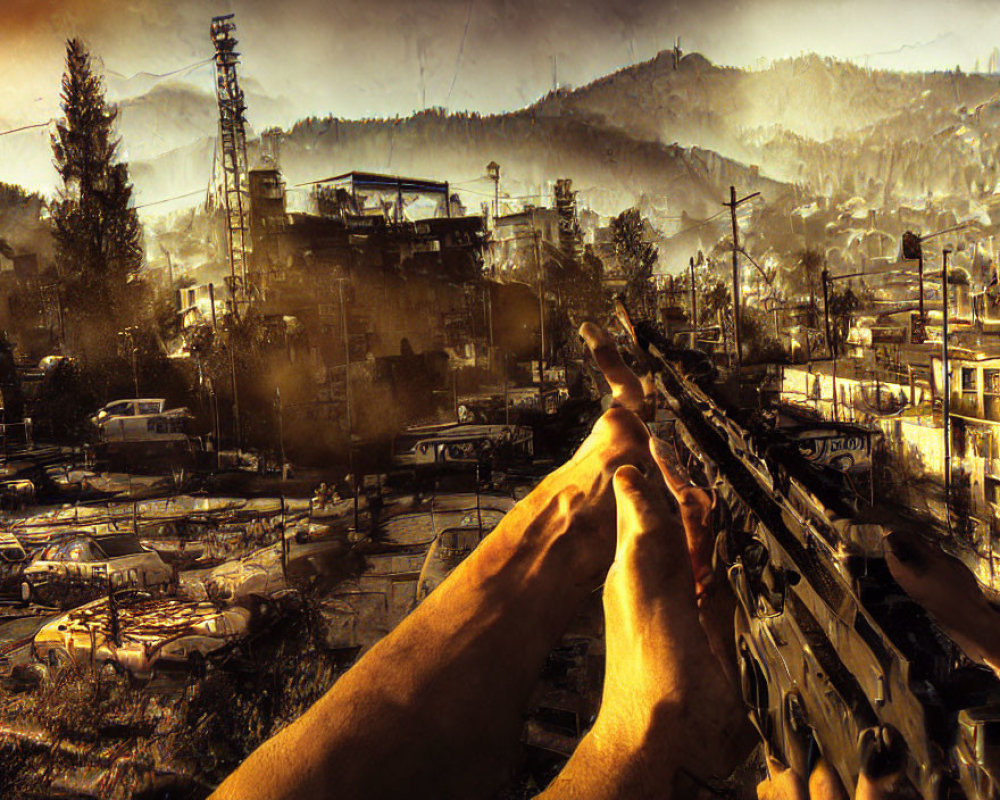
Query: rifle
{"type": "Point", "coordinates": [835, 660]}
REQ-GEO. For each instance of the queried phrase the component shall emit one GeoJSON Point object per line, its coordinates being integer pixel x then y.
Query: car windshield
{"type": "Point", "coordinates": [12, 553]}
{"type": "Point", "coordinates": [122, 544]}
{"type": "Point", "coordinates": [78, 550]}
{"type": "Point", "coordinates": [49, 553]}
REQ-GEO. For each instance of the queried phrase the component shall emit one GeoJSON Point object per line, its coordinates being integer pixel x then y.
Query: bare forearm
{"type": "Point", "coordinates": [604, 768]}
{"type": "Point", "coordinates": [436, 706]}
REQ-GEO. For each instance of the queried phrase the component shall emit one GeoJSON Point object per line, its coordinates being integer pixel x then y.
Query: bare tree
{"type": "Point", "coordinates": [637, 259]}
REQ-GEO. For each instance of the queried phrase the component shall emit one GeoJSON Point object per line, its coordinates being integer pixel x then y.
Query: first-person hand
{"type": "Point", "coordinates": [694, 504]}
{"type": "Point", "coordinates": [946, 588]}
{"type": "Point", "coordinates": [435, 709]}
{"type": "Point", "coordinates": [670, 715]}
{"type": "Point", "coordinates": [664, 679]}
{"type": "Point", "coordinates": [882, 764]}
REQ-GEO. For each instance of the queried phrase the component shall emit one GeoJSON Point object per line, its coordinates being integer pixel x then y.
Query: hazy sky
{"type": "Point", "coordinates": [355, 58]}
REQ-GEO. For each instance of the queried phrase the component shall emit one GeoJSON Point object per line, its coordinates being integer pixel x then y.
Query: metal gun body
{"type": "Point", "coordinates": [828, 644]}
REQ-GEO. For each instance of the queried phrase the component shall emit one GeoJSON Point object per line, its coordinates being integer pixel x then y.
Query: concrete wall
{"type": "Point", "coordinates": [916, 442]}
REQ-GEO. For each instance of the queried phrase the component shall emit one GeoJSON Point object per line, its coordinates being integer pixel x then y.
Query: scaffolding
{"type": "Point", "coordinates": [232, 157]}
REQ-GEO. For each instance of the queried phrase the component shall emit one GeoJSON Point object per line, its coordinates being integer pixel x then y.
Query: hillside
{"type": "Point", "coordinates": [740, 113]}
{"type": "Point", "coordinates": [610, 169]}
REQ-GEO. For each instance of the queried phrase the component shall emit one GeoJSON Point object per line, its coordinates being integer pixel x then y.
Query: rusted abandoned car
{"type": "Point", "coordinates": [138, 638]}
{"type": "Point", "coordinates": [453, 543]}
{"type": "Point", "coordinates": [85, 566]}
{"type": "Point", "coordinates": [13, 559]}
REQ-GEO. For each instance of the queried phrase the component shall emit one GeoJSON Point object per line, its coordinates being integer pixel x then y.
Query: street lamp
{"type": "Point", "coordinates": [946, 381]}
{"type": "Point", "coordinates": [493, 173]}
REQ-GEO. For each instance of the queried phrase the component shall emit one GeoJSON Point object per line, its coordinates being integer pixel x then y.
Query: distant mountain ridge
{"type": "Point", "coordinates": [738, 112]}
{"type": "Point", "coordinates": [615, 136]}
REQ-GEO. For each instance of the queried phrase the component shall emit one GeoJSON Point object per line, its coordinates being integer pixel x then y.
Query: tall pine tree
{"type": "Point", "coordinates": [97, 231]}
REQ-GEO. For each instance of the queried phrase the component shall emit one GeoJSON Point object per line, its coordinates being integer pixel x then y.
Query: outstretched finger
{"type": "Point", "coordinates": [716, 605]}
{"type": "Point", "coordinates": [696, 511]}
{"type": "Point", "coordinates": [626, 388]}
{"type": "Point", "coordinates": [824, 783]}
{"type": "Point", "coordinates": [650, 548]}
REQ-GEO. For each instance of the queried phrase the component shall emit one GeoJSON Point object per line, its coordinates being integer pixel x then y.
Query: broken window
{"type": "Point", "coordinates": [991, 394]}
{"type": "Point", "coordinates": [77, 551]}
{"type": "Point", "coordinates": [119, 410]}
{"type": "Point", "coordinates": [970, 382]}
{"type": "Point", "coordinates": [125, 544]}
{"type": "Point", "coordinates": [970, 392]}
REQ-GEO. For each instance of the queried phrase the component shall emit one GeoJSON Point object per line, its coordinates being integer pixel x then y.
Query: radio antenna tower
{"type": "Point", "coordinates": [232, 153]}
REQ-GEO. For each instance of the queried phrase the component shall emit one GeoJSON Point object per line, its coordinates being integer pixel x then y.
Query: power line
{"type": "Point", "coordinates": [155, 76]}
{"type": "Point", "coordinates": [503, 197]}
{"type": "Point", "coordinates": [160, 75]}
{"type": "Point", "coordinates": [168, 199]}
{"type": "Point", "coordinates": [700, 224]}
{"type": "Point", "coordinates": [461, 47]}
{"type": "Point", "coordinates": [28, 127]}
{"type": "Point", "coordinates": [904, 47]}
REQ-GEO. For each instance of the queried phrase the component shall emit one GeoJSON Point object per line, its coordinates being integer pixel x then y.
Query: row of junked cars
{"type": "Point", "coordinates": [142, 635]}
{"type": "Point", "coordinates": [123, 612]}
{"type": "Point", "coordinates": [119, 619]}
{"type": "Point", "coordinates": [127, 610]}
{"type": "Point", "coordinates": [136, 631]}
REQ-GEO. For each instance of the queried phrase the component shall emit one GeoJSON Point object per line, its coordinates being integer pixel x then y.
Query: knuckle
{"type": "Point", "coordinates": [689, 501]}
{"type": "Point", "coordinates": [623, 424]}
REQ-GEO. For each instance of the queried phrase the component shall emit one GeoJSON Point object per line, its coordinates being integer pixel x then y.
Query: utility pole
{"type": "Point", "coordinates": [347, 397]}
{"type": "Point", "coordinates": [732, 205]}
{"type": "Point", "coordinates": [694, 300]}
{"type": "Point", "coordinates": [946, 382]}
{"type": "Point", "coordinates": [826, 312]}
{"type": "Point", "coordinates": [211, 300]}
{"type": "Point", "coordinates": [920, 281]}
{"type": "Point", "coordinates": [541, 301]}
{"type": "Point", "coordinates": [281, 429]}
{"type": "Point", "coordinates": [830, 349]}
{"type": "Point", "coordinates": [170, 267]}
{"type": "Point", "coordinates": [213, 402]}
{"type": "Point", "coordinates": [236, 398]}
{"type": "Point", "coordinates": [128, 337]}
{"type": "Point", "coordinates": [488, 309]}
{"type": "Point", "coordinates": [506, 396]}
{"type": "Point", "coordinates": [913, 249]}
{"type": "Point", "coordinates": [135, 366]}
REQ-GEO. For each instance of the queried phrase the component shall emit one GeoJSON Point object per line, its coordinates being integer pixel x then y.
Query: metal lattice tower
{"type": "Point", "coordinates": [232, 155]}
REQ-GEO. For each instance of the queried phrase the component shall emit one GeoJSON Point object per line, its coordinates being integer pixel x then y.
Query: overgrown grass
{"type": "Point", "coordinates": [151, 742]}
